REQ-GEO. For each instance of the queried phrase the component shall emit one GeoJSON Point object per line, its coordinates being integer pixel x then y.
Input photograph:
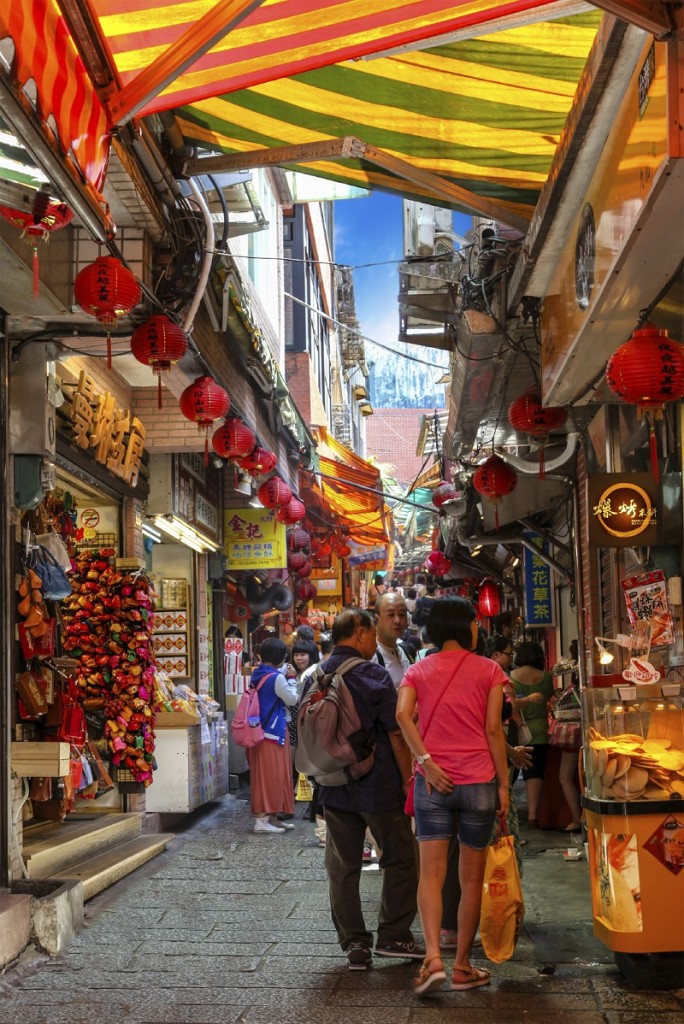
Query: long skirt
{"type": "Point", "coordinates": [270, 778]}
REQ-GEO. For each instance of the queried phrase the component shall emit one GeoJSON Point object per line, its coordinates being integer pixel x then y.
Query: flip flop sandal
{"type": "Point", "coordinates": [475, 978]}
{"type": "Point", "coordinates": [426, 981]}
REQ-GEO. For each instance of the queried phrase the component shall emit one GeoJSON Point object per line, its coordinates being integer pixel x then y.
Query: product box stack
{"type": "Point", "coordinates": [235, 681]}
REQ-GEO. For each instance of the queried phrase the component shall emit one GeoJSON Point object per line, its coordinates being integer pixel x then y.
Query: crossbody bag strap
{"type": "Point", "coordinates": [444, 690]}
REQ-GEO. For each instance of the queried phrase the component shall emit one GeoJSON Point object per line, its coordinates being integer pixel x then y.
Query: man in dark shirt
{"type": "Point", "coordinates": [375, 801]}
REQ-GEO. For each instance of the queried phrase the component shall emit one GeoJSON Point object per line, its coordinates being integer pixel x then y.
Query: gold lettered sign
{"type": "Point", "coordinates": [254, 539]}
{"type": "Point", "coordinates": [623, 509]}
{"type": "Point", "coordinates": [116, 438]}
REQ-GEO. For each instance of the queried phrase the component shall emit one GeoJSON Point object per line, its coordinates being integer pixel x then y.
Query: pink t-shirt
{"type": "Point", "coordinates": [456, 736]}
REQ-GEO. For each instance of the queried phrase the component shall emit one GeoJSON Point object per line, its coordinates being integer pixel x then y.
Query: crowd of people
{"type": "Point", "coordinates": [444, 703]}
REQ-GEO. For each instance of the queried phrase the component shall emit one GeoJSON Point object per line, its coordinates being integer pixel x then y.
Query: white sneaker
{"type": "Point", "coordinates": [264, 825]}
{"type": "Point", "coordinates": [275, 820]}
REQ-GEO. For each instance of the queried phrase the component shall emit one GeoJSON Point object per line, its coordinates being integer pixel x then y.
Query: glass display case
{"type": "Point", "coordinates": [634, 742]}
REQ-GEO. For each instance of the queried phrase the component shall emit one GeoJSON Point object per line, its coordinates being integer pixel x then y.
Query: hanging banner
{"type": "Point", "coordinates": [539, 612]}
{"type": "Point", "coordinates": [254, 539]}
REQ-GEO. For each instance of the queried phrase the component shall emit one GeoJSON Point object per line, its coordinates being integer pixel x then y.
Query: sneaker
{"type": "Point", "coordinates": [280, 823]}
{"type": "Point", "coordinates": [367, 853]}
{"type": "Point", "coordinates": [448, 939]}
{"type": "Point", "coordinates": [263, 825]}
{"type": "Point", "coordinates": [359, 956]}
{"type": "Point", "coordinates": [401, 950]}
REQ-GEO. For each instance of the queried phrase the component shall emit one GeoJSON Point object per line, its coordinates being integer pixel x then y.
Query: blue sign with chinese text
{"type": "Point", "coordinates": [539, 603]}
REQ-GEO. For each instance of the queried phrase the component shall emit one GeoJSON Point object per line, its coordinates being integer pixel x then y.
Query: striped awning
{"type": "Point", "coordinates": [482, 113]}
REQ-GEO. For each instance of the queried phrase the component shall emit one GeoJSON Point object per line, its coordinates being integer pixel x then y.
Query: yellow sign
{"type": "Point", "coordinates": [116, 437]}
{"type": "Point", "coordinates": [254, 539]}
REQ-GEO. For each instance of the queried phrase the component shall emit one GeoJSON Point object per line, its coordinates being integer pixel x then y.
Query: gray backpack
{"type": "Point", "coordinates": [332, 746]}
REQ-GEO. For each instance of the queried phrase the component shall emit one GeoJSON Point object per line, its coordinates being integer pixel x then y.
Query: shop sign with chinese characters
{"type": "Point", "coordinates": [115, 437]}
{"type": "Point", "coordinates": [622, 509]}
{"type": "Point", "coordinates": [254, 539]}
{"type": "Point", "coordinates": [538, 588]}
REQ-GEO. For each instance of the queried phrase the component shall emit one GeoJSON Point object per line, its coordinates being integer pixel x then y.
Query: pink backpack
{"type": "Point", "coordinates": [246, 725]}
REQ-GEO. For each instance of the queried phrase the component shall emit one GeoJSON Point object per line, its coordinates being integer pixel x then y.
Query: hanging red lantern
{"type": "Point", "coordinates": [306, 569]}
{"type": "Point", "coordinates": [46, 215]}
{"type": "Point", "coordinates": [274, 493]}
{"type": "Point", "coordinates": [298, 540]}
{"type": "Point", "coordinates": [437, 563]}
{"type": "Point", "coordinates": [648, 371]}
{"type": "Point", "coordinates": [343, 551]}
{"type": "Point", "coordinates": [233, 440]}
{"type": "Point", "coordinates": [159, 343]}
{"type": "Point", "coordinates": [306, 591]}
{"type": "Point", "coordinates": [493, 479]}
{"type": "Point", "coordinates": [527, 415]}
{"type": "Point", "coordinates": [489, 599]}
{"type": "Point", "coordinates": [444, 492]}
{"type": "Point", "coordinates": [293, 512]}
{"type": "Point", "coordinates": [203, 402]}
{"type": "Point", "coordinates": [259, 462]}
{"type": "Point", "coordinates": [296, 560]}
{"type": "Point", "coordinates": [108, 291]}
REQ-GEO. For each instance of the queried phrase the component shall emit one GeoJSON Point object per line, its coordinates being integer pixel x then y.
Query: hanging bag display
{"type": "Point", "coordinates": [54, 580]}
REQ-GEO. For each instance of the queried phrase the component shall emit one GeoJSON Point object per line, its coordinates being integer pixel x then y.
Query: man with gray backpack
{"type": "Point", "coordinates": [368, 794]}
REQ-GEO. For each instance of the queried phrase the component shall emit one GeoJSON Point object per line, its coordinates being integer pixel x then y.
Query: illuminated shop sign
{"type": "Point", "coordinates": [622, 509]}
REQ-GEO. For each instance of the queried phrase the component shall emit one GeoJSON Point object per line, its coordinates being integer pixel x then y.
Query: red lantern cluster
{"type": "Point", "coordinates": [159, 343]}
{"type": "Point", "coordinates": [527, 415]}
{"type": "Point", "coordinates": [444, 492]}
{"type": "Point", "coordinates": [233, 440]}
{"type": "Point", "coordinates": [493, 479]}
{"type": "Point", "coordinates": [437, 563]}
{"type": "Point", "coordinates": [306, 591]}
{"type": "Point", "coordinates": [203, 402]}
{"type": "Point", "coordinates": [298, 540]}
{"type": "Point", "coordinates": [648, 371]}
{"type": "Point", "coordinates": [46, 215]}
{"type": "Point", "coordinates": [296, 560]}
{"type": "Point", "coordinates": [291, 513]}
{"type": "Point", "coordinates": [259, 462]}
{"type": "Point", "coordinates": [107, 290]}
{"type": "Point", "coordinates": [489, 599]}
{"type": "Point", "coordinates": [274, 493]}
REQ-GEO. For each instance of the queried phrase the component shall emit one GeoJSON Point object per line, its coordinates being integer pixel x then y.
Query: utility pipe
{"type": "Point", "coordinates": [518, 462]}
{"type": "Point", "coordinates": [207, 258]}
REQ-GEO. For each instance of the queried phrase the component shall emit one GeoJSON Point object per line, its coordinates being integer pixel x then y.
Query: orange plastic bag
{"type": "Point", "coordinates": [503, 909]}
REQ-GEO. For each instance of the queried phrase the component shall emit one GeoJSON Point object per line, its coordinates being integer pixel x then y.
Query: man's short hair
{"type": "Point", "coordinates": [381, 601]}
{"type": "Point", "coordinates": [348, 621]}
{"type": "Point", "coordinates": [305, 632]}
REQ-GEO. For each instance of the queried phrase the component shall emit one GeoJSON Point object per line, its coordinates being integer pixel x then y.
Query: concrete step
{"type": "Point", "coordinates": [99, 872]}
{"type": "Point", "coordinates": [52, 847]}
{"type": "Point", "coordinates": [15, 925]}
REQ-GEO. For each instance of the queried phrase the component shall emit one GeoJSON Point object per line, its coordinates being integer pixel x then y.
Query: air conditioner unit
{"type": "Point", "coordinates": [32, 426]}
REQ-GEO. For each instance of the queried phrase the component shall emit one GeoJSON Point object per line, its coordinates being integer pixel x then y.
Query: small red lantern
{"type": "Point", "coordinates": [493, 479]}
{"type": "Point", "coordinates": [305, 569]}
{"type": "Point", "coordinates": [233, 440]}
{"type": "Point", "coordinates": [437, 563]}
{"type": "Point", "coordinates": [159, 343]}
{"type": "Point", "coordinates": [296, 560]}
{"type": "Point", "coordinates": [298, 540]}
{"type": "Point", "coordinates": [444, 492]}
{"type": "Point", "coordinates": [344, 551]}
{"type": "Point", "coordinates": [527, 415]}
{"type": "Point", "coordinates": [306, 591]}
{"type": "Point", "coordinates": [291, 513]}
{"type": "Point", "coordinates": [648, 371]}
{"type": "Point", "coordinates": [259, 462]}
{"type": "Point", "coordinates": [46, 215]}
{"type": "Point", "coordinates": [274, 493]}
{"type": "Point", "coordinates": [108, 291]}
{"type": "Point", "coordinates": [489, 599]}
{"type": "Point", "coordinates": [203, 402]}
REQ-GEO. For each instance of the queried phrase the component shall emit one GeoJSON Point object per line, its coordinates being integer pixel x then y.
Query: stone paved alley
{"type": "Point", "coordinates": [231, 927]}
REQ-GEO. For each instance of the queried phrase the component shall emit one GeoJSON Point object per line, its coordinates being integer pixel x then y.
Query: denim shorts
{"type": "Point", "coordinates": [470, 809]}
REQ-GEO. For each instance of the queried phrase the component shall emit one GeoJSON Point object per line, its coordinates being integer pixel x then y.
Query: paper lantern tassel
{"type": "Point", "coordinates": [653, 444]}
{"type": "Point", "coordinates": [36, 271]}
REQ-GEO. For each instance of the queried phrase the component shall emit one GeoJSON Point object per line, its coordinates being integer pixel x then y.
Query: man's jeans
{"type": "Point", "coordinates": [397, 856]}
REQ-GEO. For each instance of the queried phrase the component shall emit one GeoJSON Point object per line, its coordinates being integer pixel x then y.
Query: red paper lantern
{"type": "Point", "coordinates": [648, 371]}
{"type": "Point", "coordinates": [444, 492]}
{"type": "Point", "coordinates": [159, 343]}
{"type": "Point", "coordinates": [46, 215]}
{"type": "Point", "coordinates": [259, 462]}
{"type": "Point", "coordinates": [296, 560]}
{"type": "Point", "coordinates": [306, 569]}
{"type": "Point", "coordinates": [527, 415]}
{"type": "Point", "coordinates": [203, 402]}
{"type": "Point", "coordinates": [306, 591]}
{"type": "Point", "coordinates": [108, 291]}
{"type": "Point", "coordinates": [437, 563]}
{"type": "Point", "coordinates": [493, 479]}
{"type": "Point", "coordinates": [233, 440]}
{"type": "Point", "coordinates": [291, 513]}
{"type": "Point", "coordinates": [489, 599]}
{"type": "Point", "coordinates": [343, 551]}
{"type": "Point", "coordinates": [274, 493]}
{"type": "Point", "coordinates": [298, 540]}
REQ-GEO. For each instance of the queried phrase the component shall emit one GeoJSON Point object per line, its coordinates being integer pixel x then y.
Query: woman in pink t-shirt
{"type": "Point", "coordinates": [461, 770]}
